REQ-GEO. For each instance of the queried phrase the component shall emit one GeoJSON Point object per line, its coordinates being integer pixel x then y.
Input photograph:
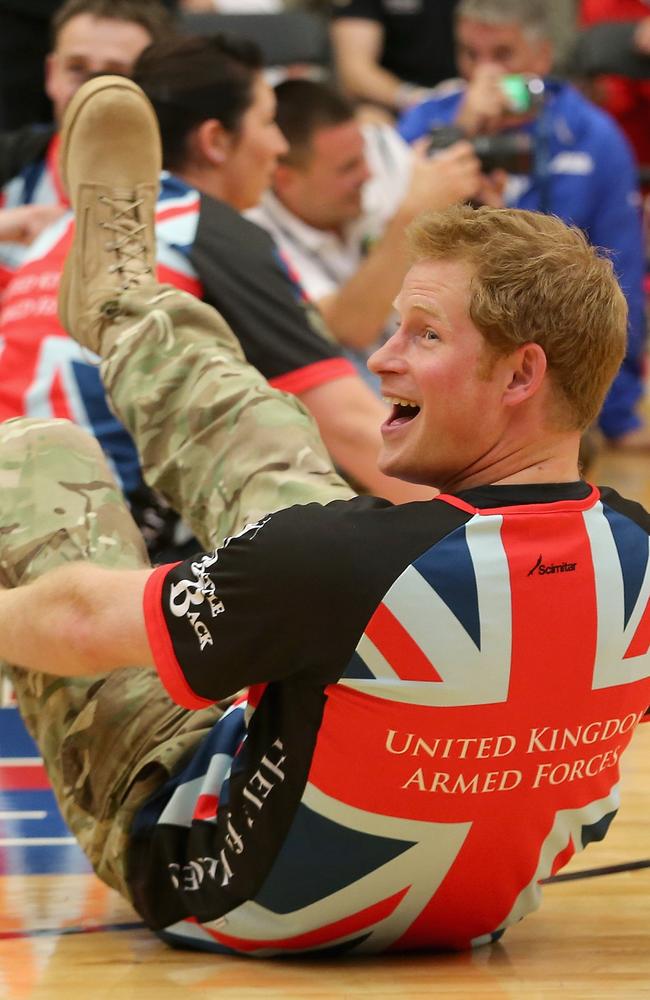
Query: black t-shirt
{"type": "Point", "coordinates": [439, 682]}
{"type": "Point", "coordinates": [418, 36]}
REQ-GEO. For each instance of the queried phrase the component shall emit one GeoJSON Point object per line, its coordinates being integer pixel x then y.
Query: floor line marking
{"type": "Point", "coordinates": [23, 814]}
{"type": "Point", "coordinates": [628, 866]}
{"type": "Point", "coordinates": [62, 932]}
{"type": "Point", "coordinates": [20, 762]}
{"type": "Point", "coordinates": [35, 841]}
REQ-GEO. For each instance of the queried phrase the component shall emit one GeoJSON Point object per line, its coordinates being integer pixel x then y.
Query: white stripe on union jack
{"type": "Point", "coordinates": [470, 674]}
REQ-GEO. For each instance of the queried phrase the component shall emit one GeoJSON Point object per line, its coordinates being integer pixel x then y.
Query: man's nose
{"type": "Point", "coordinates": [389, 357]}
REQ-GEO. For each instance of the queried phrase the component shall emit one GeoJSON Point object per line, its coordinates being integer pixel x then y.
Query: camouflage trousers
{"type": "Point", "coordinates": [224, 448]}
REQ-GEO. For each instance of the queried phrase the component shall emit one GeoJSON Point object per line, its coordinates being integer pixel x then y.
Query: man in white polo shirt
{"type": "Point", "coordinates": [342, 198]}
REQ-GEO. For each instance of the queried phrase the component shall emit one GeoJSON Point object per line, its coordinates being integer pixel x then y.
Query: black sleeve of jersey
{"type": "Point", "coordinates": [19, 149]}
{"type": "Point", "coordinates": [245, 279]}
{"type": "Point", "coordinates": [630, 508]}
{"type": "Point", "coordinates": [369, 10]}
{"type": "Point", "coordinates": [289, 597]}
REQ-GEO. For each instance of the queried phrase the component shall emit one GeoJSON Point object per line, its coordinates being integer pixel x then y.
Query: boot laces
{"type": "Point", "coordinates": [129, 242]}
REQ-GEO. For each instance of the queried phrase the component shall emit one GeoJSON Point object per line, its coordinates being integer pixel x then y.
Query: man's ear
{"type": "Point", "coordinates": [212, 142]}
{"type": "Point", "coordinates": [527, 369]}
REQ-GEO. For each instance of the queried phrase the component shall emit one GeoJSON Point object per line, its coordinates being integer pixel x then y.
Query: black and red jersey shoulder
{"type": "Point", "coordinates": [261, 608]}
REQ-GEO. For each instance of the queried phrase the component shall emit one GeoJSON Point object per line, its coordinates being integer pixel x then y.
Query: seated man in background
{"type": "Point", "coordinates": [341, 199]}
{"type": "Point", "coordinates": [402, 726]}
{"type": "Point", "coordinates": [88, 37]}
{"type": "Point", "coordinates": [581, 168]}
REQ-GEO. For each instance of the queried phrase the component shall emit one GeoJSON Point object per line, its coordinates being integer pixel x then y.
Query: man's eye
{"type": "Point", "coordinates": [430, 334]}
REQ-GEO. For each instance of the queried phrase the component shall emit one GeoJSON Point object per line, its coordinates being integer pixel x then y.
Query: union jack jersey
{"type": "Point", "coordinates": [32, 161]}
{"type": "Point", "coordinates": [439, 696]}
{"type": "Point", "coordinates": [43, 372]}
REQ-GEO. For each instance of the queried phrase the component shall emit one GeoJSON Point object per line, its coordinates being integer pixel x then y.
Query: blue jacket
{"type": "Point", "coordinates": [586, 174]}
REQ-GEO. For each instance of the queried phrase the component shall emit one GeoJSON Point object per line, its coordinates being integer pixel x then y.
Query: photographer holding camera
{"type": "Point", "coordinates": [564, 155]}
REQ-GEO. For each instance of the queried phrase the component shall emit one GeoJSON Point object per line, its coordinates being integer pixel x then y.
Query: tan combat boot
{"type": "Point", "coordinates": [110, 166]}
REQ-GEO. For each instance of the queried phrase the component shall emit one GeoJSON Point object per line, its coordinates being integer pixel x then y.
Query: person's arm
{"type": "Point", "coordinates": [417, 123]}
{"type": "Point", "coordinates": [357, 312]}
{"type": "Point", "coordinates": [349, 415]}
{"type": "Point", "coordinates": [77, 621]}
{"type": "Point", "coordinates": [25, 222]}
{"type": "Point", "coordinates": [357, 47]}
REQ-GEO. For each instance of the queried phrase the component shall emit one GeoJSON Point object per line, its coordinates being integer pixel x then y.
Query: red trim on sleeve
{"type": "Point", "coordinates": [168, 667]}
{"type": "Point", "coordinates": [313, 375]}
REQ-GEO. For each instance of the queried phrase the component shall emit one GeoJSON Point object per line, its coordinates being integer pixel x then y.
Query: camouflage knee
{"type": "Point", "coordinates": [59, 502]}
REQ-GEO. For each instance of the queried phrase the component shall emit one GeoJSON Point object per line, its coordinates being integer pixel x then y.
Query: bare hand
{"type": "Point", "coordinates": [484, 103]}
{"type": "Point", "coordinates": [452, 175]}
{"type": "Point", "coordinates": [25, 223]}
{"type": "Point", "coordinates": [485, 107]}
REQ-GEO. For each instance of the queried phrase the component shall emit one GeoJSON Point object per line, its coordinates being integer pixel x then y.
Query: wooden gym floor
{"type": "Point", "coordinates": [65, 936]}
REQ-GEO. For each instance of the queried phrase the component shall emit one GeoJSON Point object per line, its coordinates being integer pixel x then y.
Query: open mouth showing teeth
{"type": "Point", "coordinates": [402, 411]}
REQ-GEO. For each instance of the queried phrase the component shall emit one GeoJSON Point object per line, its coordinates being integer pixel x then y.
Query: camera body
{"type": "Point", "coordinates": [510, 151]}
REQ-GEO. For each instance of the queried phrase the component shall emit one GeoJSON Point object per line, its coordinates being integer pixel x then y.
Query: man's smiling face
{"type": "Point", "coordinates": [445, 387]}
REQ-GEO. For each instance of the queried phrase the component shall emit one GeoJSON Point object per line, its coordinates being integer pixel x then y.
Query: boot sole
{"type": "Point", "coordinates": [78, 103]}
